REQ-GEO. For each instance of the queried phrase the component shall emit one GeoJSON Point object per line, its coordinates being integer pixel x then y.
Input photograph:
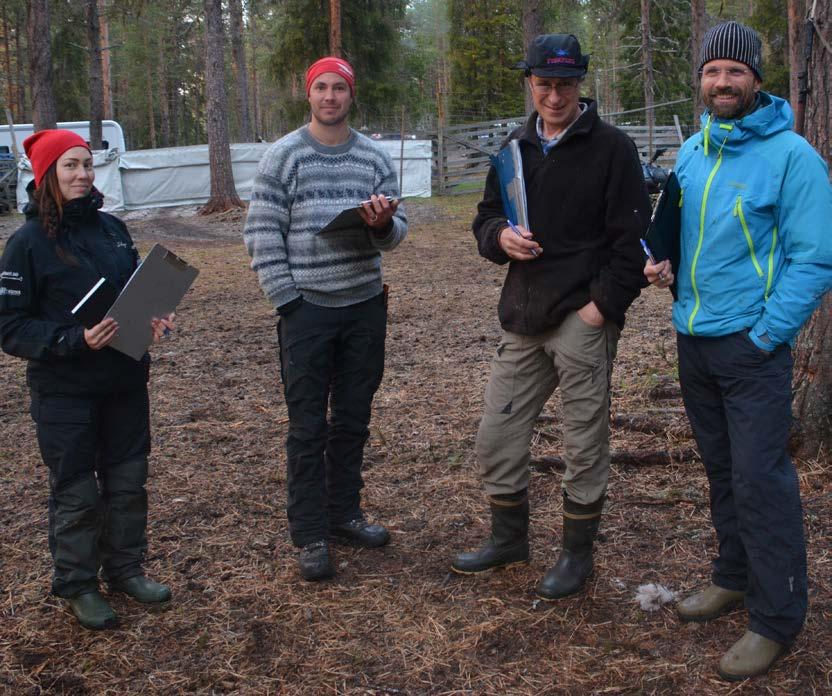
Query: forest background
{"type": "Point", "coordinates": [416, 58]}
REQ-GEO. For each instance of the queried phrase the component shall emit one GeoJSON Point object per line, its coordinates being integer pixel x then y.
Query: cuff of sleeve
{"type": "Point", "coordinates": [761, 340]}
{"type": "Point", "coordinates": [494, 233]}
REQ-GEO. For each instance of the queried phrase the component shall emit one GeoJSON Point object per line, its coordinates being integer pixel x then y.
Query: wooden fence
{"type": "Point", "coordinates": [460, 153]}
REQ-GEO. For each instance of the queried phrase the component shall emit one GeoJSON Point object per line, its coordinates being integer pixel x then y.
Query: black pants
{"type": "Point", "coordinates": [738, 400]}
{"type": "Point", "coordinates": [335, 356]}
{"type": "Point", "coordinates": [96, 450]}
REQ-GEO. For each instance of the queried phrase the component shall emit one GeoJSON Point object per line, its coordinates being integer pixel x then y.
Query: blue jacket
{"type": "Point", "coordinates": [756, 216]}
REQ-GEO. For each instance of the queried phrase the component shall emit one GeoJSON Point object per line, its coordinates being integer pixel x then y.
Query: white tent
{"type": "Point", "coordinates": [181, 175]}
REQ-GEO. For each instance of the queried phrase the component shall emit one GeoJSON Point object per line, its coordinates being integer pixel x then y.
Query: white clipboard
{"type": "Point", "coordinates": [155, 289]}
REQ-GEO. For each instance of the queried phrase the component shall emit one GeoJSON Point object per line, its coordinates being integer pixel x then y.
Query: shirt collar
{"type": "Point", "coordinates": [548, 143]}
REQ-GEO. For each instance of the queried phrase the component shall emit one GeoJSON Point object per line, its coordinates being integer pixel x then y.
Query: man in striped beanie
{"type": "Point", "coordinates": [326, 286]}
{"type": "Point", "coordinates": [756, 259]}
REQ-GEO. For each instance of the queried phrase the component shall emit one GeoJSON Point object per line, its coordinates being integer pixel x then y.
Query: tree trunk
{"type": "Point", "coordinates": [795, 14]}
{"type": "Point", "coordinates": [238, 51]}
{"type": "Point", "coordinates": [151, 116]}
{"type": "Point", "coordinates": [335, 27]}
{"type": "Point", "coordinates": [697, 33]}
{"type": "Point", "coordinates": [647, 58]}
{"type": "Point", "coordinates": [44, 112]}
{"type": "Point", "coordinates": [813, 351]}
{"type": "Point", "coordinates": [106, 89]}
{"type": "Point", "coordinates": [532, 26]}
{"type": "Point", "coordinates": [164, 91]}
{"type": "Point", "coordinates": [7, 59]}
{"type": "Point", "coordinates": [255, 86]}
{"type": "Point", "coordinates": [96, 81]}
{"type": "Point", "coordinates": [21, 62]}
{"type": "Point", "coordinates": [223, 193]}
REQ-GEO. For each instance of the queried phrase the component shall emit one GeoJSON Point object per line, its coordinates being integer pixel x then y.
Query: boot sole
{"type": "Point", "coordinates": [511, 564]}
{"type": "Point", "coordinates": [704, 618]}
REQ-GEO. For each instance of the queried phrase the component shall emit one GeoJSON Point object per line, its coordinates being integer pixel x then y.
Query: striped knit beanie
{"type": "Point", "coordinates": [733, 41]}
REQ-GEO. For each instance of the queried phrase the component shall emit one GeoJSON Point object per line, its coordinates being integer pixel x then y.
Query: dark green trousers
{"type": "Point", "coordinates": [96, 450]}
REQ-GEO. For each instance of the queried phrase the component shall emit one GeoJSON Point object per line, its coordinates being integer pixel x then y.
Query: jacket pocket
{"type": "Point", "coordinates": [740, 214]}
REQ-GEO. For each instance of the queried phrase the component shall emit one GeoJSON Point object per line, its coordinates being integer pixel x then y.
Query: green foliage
{"type": "Point", "coordinates": [670, 31]}
{"type": "Point", "coordinates": [69, 60]}
{"type": "Point", "coordinates": [486, 42]}
{"type": "Point", "coordinates": [370, 38]}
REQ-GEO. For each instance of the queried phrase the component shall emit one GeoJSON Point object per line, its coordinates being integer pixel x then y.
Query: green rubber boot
{"type": "Point", "coordinates": [709, 603]}
{"type": "Point", "coordinates": [92, 611]}
{"type": "Point", "coordinates": [751, 655]}
{"type": "Point", "coordinates": [142, 589]}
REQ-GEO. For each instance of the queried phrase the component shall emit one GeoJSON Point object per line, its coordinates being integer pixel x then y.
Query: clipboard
{"type": "Point", "coordinates": [664, 232]}
{"type": "Point", "coordinates": [509, 165]}
{"type": "Point", "coordinates": [155, 289]}
{"type": "Point", "coordinates": [349, 218]}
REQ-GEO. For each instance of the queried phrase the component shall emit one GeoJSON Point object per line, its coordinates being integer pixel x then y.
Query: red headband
{"type": "Point", "coordinates": [330, 64]}
{"type": "Point", "coordinates": [45, 147]}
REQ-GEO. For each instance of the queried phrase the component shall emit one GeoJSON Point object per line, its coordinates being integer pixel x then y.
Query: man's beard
{"type": "Point", "coordinates": [728, 112]}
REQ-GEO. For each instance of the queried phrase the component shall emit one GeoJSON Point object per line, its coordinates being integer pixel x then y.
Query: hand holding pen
{"type": "Point", "coordinates": [659, 273]}
{"type": "Point", "coordinates": [518, 244]}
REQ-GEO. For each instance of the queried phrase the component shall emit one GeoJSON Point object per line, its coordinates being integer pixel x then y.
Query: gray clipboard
{"type": "Point", "coordinates": [155, 289]}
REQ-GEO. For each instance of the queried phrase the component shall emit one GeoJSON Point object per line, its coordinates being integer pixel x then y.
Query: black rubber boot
{"type": "Point", "coordinates": [574, 566]}
{"type": "Point", "coordinates": [509, 540]}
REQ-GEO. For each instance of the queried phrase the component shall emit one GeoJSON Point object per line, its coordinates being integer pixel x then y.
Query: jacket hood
{"type": "Point", "coordinates": [771, 116]}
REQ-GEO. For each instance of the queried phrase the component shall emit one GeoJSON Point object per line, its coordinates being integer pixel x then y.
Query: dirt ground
{"type": "Point", "coordinates": [393, 621]}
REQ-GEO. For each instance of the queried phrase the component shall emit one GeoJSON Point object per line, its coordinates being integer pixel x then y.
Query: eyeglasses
{"type": "Point", "coordinates": [713, 73]}
{"type": "Point", "coordinates": [546, 88]}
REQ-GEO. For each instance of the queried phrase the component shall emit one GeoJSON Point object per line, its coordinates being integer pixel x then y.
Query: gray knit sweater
{"type": "Point", "coordinates": [300, 186]}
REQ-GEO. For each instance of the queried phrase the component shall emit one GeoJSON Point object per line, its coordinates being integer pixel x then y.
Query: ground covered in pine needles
{"type": "Point", "coordinates": [394, 621]}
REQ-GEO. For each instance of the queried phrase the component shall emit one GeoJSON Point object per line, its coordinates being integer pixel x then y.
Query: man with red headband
{"type": "Point", "coordinates": [327, 289]}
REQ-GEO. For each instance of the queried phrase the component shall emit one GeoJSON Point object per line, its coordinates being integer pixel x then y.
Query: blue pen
{"type": "Point", "coordinates": [649, 255]}
{"type": "Point", "coordinates": [516, 231]}
{"type": "Point", "coordinates": [647, 252]}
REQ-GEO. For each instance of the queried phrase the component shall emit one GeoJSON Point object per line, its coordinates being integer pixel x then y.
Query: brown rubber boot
{"type": "Point", "coordinates": [751, 655]}
{"type": "Point", "coordinates": [709, 603]}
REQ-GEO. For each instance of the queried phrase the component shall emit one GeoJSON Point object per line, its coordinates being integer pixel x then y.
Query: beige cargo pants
{"type": "Point", "coordinates": [576, 357]}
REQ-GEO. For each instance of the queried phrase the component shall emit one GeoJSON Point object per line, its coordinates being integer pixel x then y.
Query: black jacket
{"type": "Point", "coordinates": [38, 289]}
{"type": "Point", "coordinates": [588, 206]}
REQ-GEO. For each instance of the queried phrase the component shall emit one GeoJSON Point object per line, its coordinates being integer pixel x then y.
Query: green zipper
{"type": "Point", "coordinates": [738, 213]}
{"type": "Point", "coordinates": [771, 261]}
{"type": "Point", "coordinates": [705, 193]}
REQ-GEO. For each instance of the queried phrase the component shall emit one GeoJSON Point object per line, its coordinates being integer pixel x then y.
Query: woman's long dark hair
{"type": "Point", "coordinates": [50, 203]}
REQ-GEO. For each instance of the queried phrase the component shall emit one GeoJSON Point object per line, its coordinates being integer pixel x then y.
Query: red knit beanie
{"type": "Point", "coordinates": [330, 64]}
{"type": "Point", "coordinates": [45, 147]}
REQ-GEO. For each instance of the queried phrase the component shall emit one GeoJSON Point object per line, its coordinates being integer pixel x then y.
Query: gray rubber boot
{"type": "Point", "coordinates": [74, 513]}
{"type": "Point", "coordinates": [124, 525]}
{"type": "Point", "coordinates": [574, 565]}
{"type": "Point", "coordinates": [509, 540]}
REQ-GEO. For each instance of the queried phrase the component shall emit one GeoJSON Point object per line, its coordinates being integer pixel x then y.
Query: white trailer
{"type": "Point", "coordinates": [111, 133]}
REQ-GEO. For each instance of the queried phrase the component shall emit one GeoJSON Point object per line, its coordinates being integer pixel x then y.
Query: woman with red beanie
{"type": "Point", "coordinates": [89, 402]}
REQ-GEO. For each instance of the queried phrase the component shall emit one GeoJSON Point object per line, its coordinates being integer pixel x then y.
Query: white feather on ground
{"type": "Point", "coordinates": [652, 596]}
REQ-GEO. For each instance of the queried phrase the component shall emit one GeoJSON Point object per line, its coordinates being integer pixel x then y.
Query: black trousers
{"type": "Point", "coordinates": [96, 450]}
{"type": "Point", "coordinates": [331, 356]}
{"type": "Point", "coordinates": [738, 400]}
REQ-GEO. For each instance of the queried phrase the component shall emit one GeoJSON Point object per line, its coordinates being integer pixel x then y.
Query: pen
{"type": "Point", "coordinates": [516, 231]}
{"type": "Point", "coordinates": [649, 255]}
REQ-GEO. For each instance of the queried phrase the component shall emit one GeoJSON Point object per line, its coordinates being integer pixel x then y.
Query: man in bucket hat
{"type": "Point", "coordinates": [756, 258]}
{"type": "Point", "coordinates": [571, 277]}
